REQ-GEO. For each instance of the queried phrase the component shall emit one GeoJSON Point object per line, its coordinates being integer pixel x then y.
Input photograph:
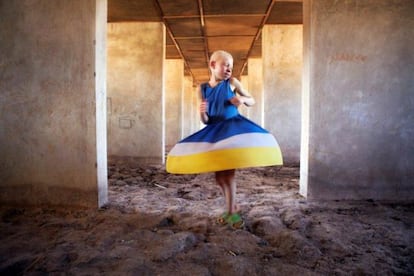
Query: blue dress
{"type": "Point", "coordinates": [229, 140]}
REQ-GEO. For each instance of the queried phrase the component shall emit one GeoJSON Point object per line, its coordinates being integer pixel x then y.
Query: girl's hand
{"type": "Point", "coordinates": [203, 111]}
{"type": "Point", "coordinates": [236, 101]}
{"type": "Point", "coordinates": [203, 106]}
{"type": "Point", "coordinates": [243, 97]}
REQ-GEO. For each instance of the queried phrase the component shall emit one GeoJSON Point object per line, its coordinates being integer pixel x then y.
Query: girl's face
{"type": "Point", "coordinates": [222, 68]}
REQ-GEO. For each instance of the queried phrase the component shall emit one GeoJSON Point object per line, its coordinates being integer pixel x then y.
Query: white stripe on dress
{"type": "Point", "coordinates": [237, 141]}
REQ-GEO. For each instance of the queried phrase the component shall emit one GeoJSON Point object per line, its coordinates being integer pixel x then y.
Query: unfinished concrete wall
{"type": "Point", "coordinates": [196, 98]}
{"type": "Point", "coordinates": [174, 100]}
{"type": "Point", "coordinates": [360, 62]}
{"type": "Point", "coordinates": [195, 110]}
{"type": "Point", "coordinates": [255, 79]}
{"type": "Point", "coordinates": [135, 90]}
{"type": "Point", "coordinates": [50, 133]}
{"type": "Point", "coordinates": [282, 84]}
{"type": "Point", "coordinates": [187, 115]}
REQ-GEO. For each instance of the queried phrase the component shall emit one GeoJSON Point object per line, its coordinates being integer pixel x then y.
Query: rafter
{"type": "Point", "coordinates": [203, 30]}
{"type": "Point", "coordinates": [259, 31]}
{"type": "Point", "coordinates": [168, 29]}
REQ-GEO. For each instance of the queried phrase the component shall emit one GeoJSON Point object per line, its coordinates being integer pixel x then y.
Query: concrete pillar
{"type": "Point", "coordinates": [359, 83]}
{"type": "Point", "coordinates": [174, 100]}
{"type": "Point", "coordinates": [195, 110]}
{"type": "Point", "coordinates": [135, 90]}
{"type": "Point", "coordinates": [100, 99]}
{"type": "Point", "coordinates": [282, 77]}
{"type": "Point", "coordinates": [187, 116]}
{"type": "Point", "coordinates": [52, 116]}
{"type": "Point", "coordinates": [255, 79]}
{"type": "Point", "coordinates": [305, 102]}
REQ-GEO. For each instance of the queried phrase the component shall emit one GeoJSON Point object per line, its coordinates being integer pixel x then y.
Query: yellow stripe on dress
{"type": "Point", "coordinates": [225, 159]}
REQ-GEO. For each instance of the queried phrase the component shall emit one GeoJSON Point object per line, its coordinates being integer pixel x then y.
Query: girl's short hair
{"type": "Point", "coordinates": [220, 53]}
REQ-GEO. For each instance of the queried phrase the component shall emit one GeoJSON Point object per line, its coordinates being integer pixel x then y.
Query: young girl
{"type": "Point", "coordinates": [229, 141]}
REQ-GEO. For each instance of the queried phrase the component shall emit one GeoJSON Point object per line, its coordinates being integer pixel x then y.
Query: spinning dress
{"type": "Point", "coordinates": [228, 141]}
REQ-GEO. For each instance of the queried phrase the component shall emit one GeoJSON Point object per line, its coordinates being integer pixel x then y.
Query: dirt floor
{"type": "Point", "coordinates": [163, 224]}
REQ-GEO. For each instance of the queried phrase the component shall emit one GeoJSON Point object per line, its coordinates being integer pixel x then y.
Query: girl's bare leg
{"type": "Point", "coordinates": [220, 182]}
{"type": "Point", "coordinates": [226, 181]}
{"type": "Point", "coordinates": [229, 199]}
{"type": "Point", "coordinates": [232, 191]}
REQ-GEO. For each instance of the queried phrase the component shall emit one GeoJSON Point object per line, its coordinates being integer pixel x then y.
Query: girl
{"type": "Point", "coordinates": [229, 141]}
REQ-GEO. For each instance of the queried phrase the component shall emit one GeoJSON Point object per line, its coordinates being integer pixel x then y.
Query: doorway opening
{"type": "Point", "coordinates": [125, 121]}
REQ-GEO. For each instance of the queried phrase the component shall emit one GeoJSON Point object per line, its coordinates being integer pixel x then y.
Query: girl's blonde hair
{"type": "Point", "coordinates": [220, 53]}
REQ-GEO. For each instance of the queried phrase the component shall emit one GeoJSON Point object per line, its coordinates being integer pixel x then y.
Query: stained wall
{"type": "Point", "coordinates": [52, 98]}
{"type": "Point", "coordinates": [358, 90]}
{"type": "Point", "coordinates": [255, 80]}
{"type": "Point", "coordinates": [189, 114]}
{"type": "Point", "coordinates": [135, 103]}
{"type": "Point", "coordinates": [282, 86]}
{"type": "Point", "coordinates": [174, 100]}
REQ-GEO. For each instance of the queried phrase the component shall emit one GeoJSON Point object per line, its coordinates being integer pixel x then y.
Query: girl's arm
{"type": "Point", "coordinates": [203, 107]}
{"type": "Point", "coordinates": [244, 98]}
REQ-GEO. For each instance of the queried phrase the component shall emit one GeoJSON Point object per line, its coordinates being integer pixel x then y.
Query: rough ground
{"type": "Point", "coordinates": [162, 224]}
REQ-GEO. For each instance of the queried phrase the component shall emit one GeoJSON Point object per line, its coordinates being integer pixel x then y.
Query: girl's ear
{"type": "Point", "coordinates": [212, 64]}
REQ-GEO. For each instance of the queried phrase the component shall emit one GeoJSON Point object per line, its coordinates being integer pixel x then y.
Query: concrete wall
{"type": "Point", "coordinates": [191, 103]}
{"type": "Point", "coordinates": [255, 80]}
{"type": "Point", "coordinates": [49, 131]}
{"type": "Point", "coordinates": [195, 110]}
{"type": "Point", "coordinates": [360, 62]}
{"type": "Point", "coordinates": [135, 90]}
{"type": "Point", "coordinates": [174, 100]}
{"type": "Point", "coordinates": [282, 84]}
{"type": "Point", "coordinates": [187, 115]}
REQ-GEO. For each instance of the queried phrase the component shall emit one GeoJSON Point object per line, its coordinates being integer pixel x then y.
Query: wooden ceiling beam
{"type": "Point", "coordinates": [259, 31]}
{"type": "Point", "coordinates": [203, 31]}
{"type": "Point", "coordinates": [233, 15]}
{"type": "Point", "coordinates": [210, 36]}
{"type": "Point", "coordinates": [214, 15]}
{"type": "Point", "coordinates": [168, 29]}
{"type": "Point", "coordinates": [180, 16]}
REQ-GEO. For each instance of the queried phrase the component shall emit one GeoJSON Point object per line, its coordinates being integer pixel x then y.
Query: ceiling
{"type": "Point", "coordinates": [196, 28]}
